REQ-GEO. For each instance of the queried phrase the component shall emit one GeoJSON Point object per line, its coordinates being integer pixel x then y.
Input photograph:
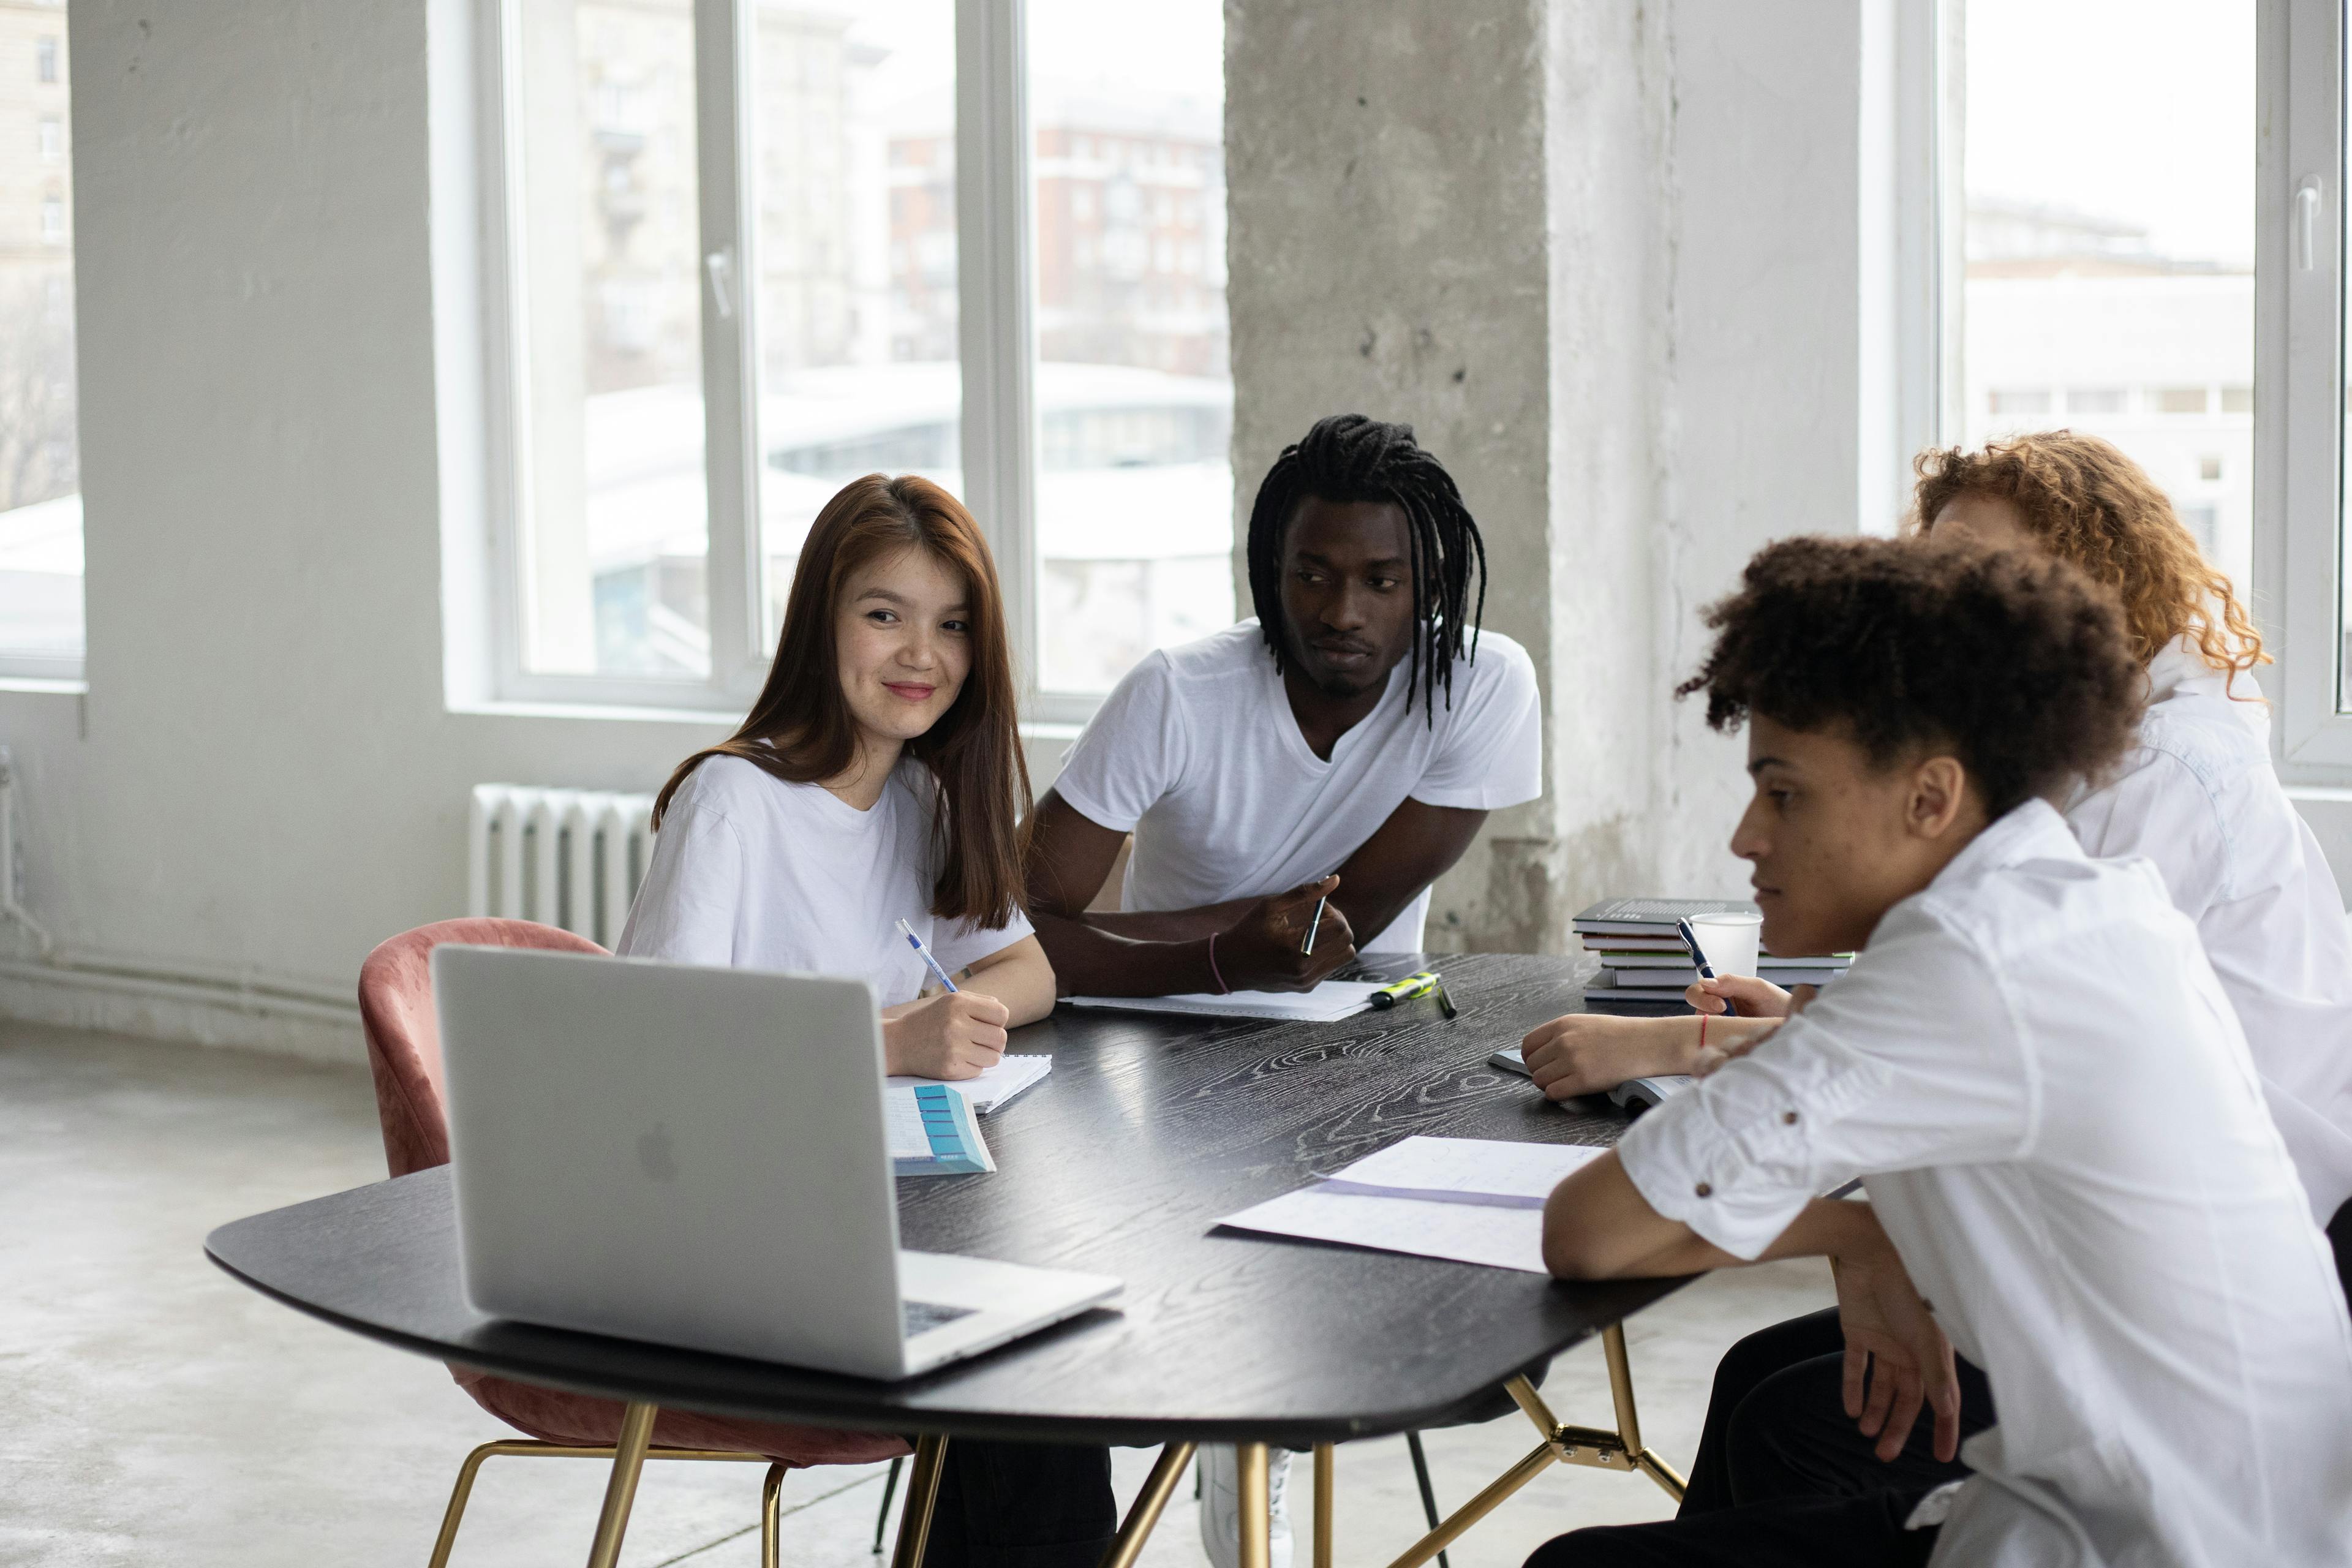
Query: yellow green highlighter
{"type": "Point", "coordinates": [1424, 984]}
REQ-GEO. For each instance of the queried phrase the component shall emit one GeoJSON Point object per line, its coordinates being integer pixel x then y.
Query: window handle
{"type": "Point", "coordinates": [720, 265]}
{"type": "Point", "coordinates": [2306, 222]}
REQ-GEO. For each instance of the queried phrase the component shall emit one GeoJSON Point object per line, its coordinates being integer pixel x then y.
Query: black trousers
{"type": "Point", "coordinates": [1783, 1476]}
{"type": "Point", "coordinates": [1022, 1505]}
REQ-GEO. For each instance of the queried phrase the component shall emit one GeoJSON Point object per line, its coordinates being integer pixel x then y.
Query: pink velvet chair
{"type": "Point", "coordinates": [403, 1041]}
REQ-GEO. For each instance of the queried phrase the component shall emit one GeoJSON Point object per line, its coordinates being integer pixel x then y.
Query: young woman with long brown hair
{"type": "Point", "coordinates": [880, 778]}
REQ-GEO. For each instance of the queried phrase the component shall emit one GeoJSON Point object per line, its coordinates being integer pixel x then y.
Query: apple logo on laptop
{"type": "Point", "coordinates": [655, 1155]}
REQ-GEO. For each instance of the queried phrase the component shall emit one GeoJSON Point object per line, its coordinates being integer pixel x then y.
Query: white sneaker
{"type": "Point", "coordinates": [1221, 1505]}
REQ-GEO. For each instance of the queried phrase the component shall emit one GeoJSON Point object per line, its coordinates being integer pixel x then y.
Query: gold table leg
{"type": "Point", "coordinates": [621, 1490]}
{"type": "Point", "coordinates": [1629, 1424]}
{"type": "Point", "coordinates": [1620, 1451]}
{"type": "Point", "coordinates": [1158, 1488]}
{"type": "Point", "coordinates": [922, 1491]}
{"type": "Point", "coordinates": [1257, 1507]}
{"type": "Point", "coordinates": [1326, 1489]}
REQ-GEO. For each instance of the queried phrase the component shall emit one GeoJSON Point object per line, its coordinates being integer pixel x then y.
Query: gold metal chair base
{"type": "Point", "coordinates": [1620, 1451]}
{"type": "Point", "coordinates": [620, 1491]}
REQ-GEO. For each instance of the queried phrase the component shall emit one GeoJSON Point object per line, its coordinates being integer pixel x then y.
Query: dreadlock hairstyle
{"type": "Point", "coordinates": [1350, 458]}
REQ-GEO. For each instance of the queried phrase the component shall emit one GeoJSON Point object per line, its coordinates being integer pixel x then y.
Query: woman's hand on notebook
{"type": "Point", "coordinates": [1264, 950]}
{"type": "Point", "coordinates": [954, 1034]}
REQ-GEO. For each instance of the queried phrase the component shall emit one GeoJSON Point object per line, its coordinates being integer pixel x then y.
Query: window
{"type": "Point", "coordinates": [40, 479]}
{"type": "Point", "coordinates": [2302, 588]}
{"type": "Point", "coordinates": [2080, 400]}
{"type": "Point", "coordinates": [2109, 240]}
{"type": "Point", "coordinates": [731, 273]}
{"type": "Point", "coordinates": [1135, 485]}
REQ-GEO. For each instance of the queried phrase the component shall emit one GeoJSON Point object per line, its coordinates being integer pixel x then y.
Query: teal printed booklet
{"type": "Point", "coordinates": [932, 1133]}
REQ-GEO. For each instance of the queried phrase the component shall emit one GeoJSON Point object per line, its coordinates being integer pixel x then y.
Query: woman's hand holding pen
{"type": "Point", "coordinates": [953, 1035]}
{"type": "Point", "coordinates": [1265, 950]}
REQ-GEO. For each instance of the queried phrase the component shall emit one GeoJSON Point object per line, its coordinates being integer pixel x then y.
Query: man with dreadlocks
{"type": "Point", "coordinates": [1344, 743]}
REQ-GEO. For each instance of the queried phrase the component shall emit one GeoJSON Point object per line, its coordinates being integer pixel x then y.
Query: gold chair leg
{"type": "Point", "coordinates": [621, 1490]}
{"type": "Point", "coordinates": [1629, 1424]}
{"type": "Point", "coordinates": [922, 1491]}
{"type": "Point", "coordinates": [1325, 1497]}
{"type": "Point", "coordinates": [456, 1512]}
{"type": "Point", "coordinates": [772, 1492]}
{"type": "Point", "coordinates": [1144, 1513]}
{"type": "Point", "coordinates": [1257, 1506]}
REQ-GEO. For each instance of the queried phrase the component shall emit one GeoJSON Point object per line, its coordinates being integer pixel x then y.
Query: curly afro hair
{"type": "Point", "coordinates": [2015, 661]}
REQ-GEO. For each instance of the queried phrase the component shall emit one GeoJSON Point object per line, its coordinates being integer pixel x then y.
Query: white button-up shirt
{"type": "Point", "coordinates": [2199, 797]}
{"type": "Point", "coordinates": [2046, 1095]}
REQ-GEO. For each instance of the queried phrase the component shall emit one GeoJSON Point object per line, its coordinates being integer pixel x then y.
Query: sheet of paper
{"type": "Point", "coordinates": [1468, 1170]}
{"type": "Point", "coordinates": [1328, 1003]}
{"type": "Point", "coordinates": [1462, 1233]}
{"type": "Point", "coordinates": [998, 1086]}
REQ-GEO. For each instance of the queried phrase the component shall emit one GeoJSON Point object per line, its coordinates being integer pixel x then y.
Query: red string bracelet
{"type": "Point", "coordinates": [1223, 989]}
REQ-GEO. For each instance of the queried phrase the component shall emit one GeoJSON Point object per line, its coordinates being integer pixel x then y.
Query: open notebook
{"type": "Point", "coordinates": [993, 1091]}
{"type": "Point", "coordinates": [1328, 1003]}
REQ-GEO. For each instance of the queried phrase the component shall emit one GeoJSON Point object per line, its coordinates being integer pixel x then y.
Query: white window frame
{"type": "Point", "coordinates": [2299, 384]}
{"type": "Point", "coordinates": [995, 241]}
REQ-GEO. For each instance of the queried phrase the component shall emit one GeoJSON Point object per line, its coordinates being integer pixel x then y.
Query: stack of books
{"type": "Point", "coordinates": [1644, 968]}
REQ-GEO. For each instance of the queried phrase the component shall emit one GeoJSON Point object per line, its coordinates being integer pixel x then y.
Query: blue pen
{"type": "Point", "coordinates": [1682, 928]}
{"type": "Point", "coordinates": [925, 954]}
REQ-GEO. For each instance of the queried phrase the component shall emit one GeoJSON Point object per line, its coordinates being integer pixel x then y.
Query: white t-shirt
{"type": "Point", "coordinates": [2199, 797]}
{"type": "Point", "coordinates": [1197, 753]}
{"type": "Point", "coordinates": [750, 872]}
{"type": "Point", "coordinates": [2043, 1089]}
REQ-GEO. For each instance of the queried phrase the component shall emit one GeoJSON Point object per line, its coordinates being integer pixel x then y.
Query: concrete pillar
{"type": "Point", "coordinates": [1453, 217]}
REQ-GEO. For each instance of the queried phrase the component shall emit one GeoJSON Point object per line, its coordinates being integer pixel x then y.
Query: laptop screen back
{"type": "Point", "coordinates": [687, 1155]}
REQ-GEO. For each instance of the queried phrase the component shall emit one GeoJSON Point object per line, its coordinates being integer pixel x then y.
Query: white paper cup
{"type": "Point", "coordinates": [1729, 941]}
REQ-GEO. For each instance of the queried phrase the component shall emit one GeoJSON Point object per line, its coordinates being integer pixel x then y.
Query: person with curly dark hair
{"type": "Point", "coordinates": [2035, 1075]}
{"type": "Point", "coordinates": [2197, 796]}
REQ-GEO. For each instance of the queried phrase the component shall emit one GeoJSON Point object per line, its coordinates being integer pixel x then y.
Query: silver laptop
{"type": "Point", "coordinates": [697, 1156]}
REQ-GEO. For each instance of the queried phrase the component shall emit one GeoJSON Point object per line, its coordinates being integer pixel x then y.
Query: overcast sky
{"type": "Point", "coordinates": [2136, 110]}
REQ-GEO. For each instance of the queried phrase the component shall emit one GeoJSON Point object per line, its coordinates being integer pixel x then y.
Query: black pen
{"type": "Point", "coordinates": [1705, 969]}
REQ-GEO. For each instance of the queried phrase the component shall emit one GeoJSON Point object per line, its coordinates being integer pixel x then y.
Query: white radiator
{"type": "Point", "coordinates": [569, 857]}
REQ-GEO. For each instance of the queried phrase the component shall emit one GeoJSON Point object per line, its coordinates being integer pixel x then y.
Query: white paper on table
{"type": "Point", "coordinates": [1466, 1170]}
{"type": "Point", "coordinates": [1327, 1004]}
{"type": "Point", "coordinates": [1470, 1200]}
{"type": "Point", "coordinates": [1461, 1232]}
{"type": "Point", "coordinates": [1011, 1078]}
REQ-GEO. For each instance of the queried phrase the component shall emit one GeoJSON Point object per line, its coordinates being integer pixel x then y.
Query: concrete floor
{"type": "Point", "coordinates": [152, 1411]}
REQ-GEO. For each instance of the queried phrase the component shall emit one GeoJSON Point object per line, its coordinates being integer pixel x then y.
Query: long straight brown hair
{"type": "Point", "coordinates": [801, 729]}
